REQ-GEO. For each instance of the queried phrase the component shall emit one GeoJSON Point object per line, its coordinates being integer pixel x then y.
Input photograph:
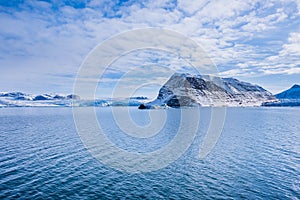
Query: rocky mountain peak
{"type": "Point", "coordinates": [206, 90]}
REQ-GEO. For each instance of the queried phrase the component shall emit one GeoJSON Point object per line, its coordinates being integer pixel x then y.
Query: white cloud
{"type": "Point", "coordinates": [286, 61]}
{"type": "Point", "coordinates": [242, 65]}
{"type": "Point", "coordinates": [224, 9]}
{"type": "Point", "coordinates": [289, 71]}
{"type": "Point", "coordinates": [191, 7]}
{"type": "Point", "coordinates": [237, 73]}
{"type": "Point", "coordinates": [292, 48]}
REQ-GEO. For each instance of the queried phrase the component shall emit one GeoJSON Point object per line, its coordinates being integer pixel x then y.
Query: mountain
{"type": "Point", "coordinates": [292, 93]}
{"type": "Point", "coordinates": [16, 96]}
{"type": "Point", "coordinates": [19, 99]}
{"type": "Point", "coordinates": [290, 97]}
{"type": "Point", "coordinates": [205, 90]}
{"type": "Point", "coordinates": [40, 97]}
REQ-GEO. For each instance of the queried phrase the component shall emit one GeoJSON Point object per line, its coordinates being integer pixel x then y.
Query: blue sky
{"type": "Point", "coordinates": [43, 43]}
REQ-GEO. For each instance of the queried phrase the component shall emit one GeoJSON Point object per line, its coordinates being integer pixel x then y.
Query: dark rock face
{"type": "Point", "coordinates": [164, 92]}
{"type": "Point", "coordinates": [20, 98]}
{"type": "Point", "coordinates": [142, 106]}
{"type": "Point", "coordinates": [41, 98]}
{"type": "Point", "coordinates": [139, 98]}
{"type": "Point", "coordinates": [179, 101]}
{"type": "Point", "coordinates": [58, 97]}
{"type": "Point", "coordinates": [73, 96]}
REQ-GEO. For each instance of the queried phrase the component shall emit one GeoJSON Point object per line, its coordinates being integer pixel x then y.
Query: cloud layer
{"type": "Point", "coordinates": [43, 43]}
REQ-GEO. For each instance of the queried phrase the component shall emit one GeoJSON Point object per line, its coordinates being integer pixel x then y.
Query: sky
{"type": "Point", "coordinates": [44, 43]}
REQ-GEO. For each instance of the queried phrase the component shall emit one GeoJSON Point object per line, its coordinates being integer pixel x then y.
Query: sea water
{"type": "Point", "coordinates": [257, 156]}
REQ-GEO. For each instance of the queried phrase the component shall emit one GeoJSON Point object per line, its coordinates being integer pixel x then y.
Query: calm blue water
{"type": "Point", "coordinates": [256, 157]}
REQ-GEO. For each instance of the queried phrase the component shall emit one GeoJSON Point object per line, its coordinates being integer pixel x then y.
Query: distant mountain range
{"type": "Point", "coordinates": [180, 90]}
{"type": "Point", "coordinates": [19, 99]}
{"type": "Point", "coordinates": [29, 97]}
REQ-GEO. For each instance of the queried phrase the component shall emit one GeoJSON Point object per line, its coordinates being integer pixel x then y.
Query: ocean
{"type": "Point", "coordinates": [43, 156]}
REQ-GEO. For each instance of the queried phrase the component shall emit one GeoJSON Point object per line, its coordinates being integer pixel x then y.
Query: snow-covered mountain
{"type": "Point", "coordinates": [290, 97]}
{"type": "Point", "coordinates": [204, 90]}
{"type": "Point", "coordinates": [30, 97]}
{"type": "Point", "coordinates": [19, 99]}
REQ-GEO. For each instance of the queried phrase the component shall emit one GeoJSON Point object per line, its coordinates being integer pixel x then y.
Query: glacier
{"type": "Point", "coordinates": [19, 99]}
